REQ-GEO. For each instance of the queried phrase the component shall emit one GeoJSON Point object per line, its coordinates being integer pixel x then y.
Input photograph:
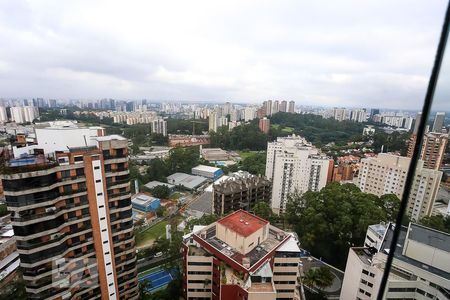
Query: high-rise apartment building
{"type": "Point", "coordinates": [293, 164]}
{"type": "Point", "coordinates": [433, 149]}
{"type": "Point", "coordinates": [291, 108]}
{"type": "Point", "coordinates": [159, 126]}
{"type": "Point", "coordinates": [420, 268]}
{"type": "Point", "coordinates": [268, 106]}
{"type": "Point", "coordinates": [72, 214]}
{"type": "Point", "coordinates": [3, 115]}
{"type": "Point", "coordinates": [386, 174]}
{"type": "Point", "coordinates": [240, 191]}
{"type": "Point", "coordinates": [341, 114]}
{"type": "Point", "coordinates": [213, 121]}
{"type": "Point", "coordinates": [249, 113]}
{"type": "Point", "coordinates": [17, 114]}
{"type": "Point", "coordinates": [275, 107]}
{"type": "Point", "coordinates": [438, 123]}
{"type": "Point", "coordinates": [264, 125]}
{"type": "Point", "coordinates": [23, 114]}
{"type": "Point", "coordinates": [283, 106]}
{"type": "Point", "coordinates": [240, 257]}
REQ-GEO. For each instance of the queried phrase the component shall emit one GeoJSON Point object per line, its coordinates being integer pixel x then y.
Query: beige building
{"type": "Point", "coordinates": [420, 269]}
{"type": "Point", "coordinates": [243, 257]}
{"type": "Point", "coordinates": [433, 149]}
{"type": "Point", "coordinates": [386, 174]}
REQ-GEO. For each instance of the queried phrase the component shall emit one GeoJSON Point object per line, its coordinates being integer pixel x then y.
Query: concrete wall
{"type": "Point", "coordinates": [239, 242]}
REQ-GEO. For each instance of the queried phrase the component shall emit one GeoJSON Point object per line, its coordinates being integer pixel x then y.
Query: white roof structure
{"type": "Point", "coordinates": [188, 181]}
{"type": "Point", "coordinates": [206, 168]}
{"type": "Point", "coordinates": [291, 245]}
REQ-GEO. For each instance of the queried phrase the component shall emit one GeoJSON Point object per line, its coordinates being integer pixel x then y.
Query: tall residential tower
{"type": "Point", "coordinates": [72, 214]}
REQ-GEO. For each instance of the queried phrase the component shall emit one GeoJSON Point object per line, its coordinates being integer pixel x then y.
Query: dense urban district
{"type": "Point", "coordinates": [150, 200]}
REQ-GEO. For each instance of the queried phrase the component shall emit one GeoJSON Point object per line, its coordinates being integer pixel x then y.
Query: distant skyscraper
{"type": "Point", "coordinates": [417, 122]}
{"type": "Point", "coordinates": [159, 126]}
{"type": "Point", "coordinates": [249, 113]}
{"type": "Point", "coordinates": [283, 106]}
{"type": "Point", "coordinates": [17, 114]}
{"type": "Point", "coordinates": [438, 122]}
{"type": "Point", "coordinates": [275, 107]}
{"type": "Point", "coordinates": [264, 125]}
{"type": "Point", "coordinates": [373, 112]}
{"type": "Point", "coordinates": [213, 121]}
{"type": "Point", "coordinates": [3, 115]}
{"type": "Point", "coordinates": [268, 105]}
{"type": "Point", "coordinates": [291, 108]}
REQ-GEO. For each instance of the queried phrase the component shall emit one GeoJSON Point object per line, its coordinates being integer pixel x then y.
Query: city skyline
{"type": "Point", "coordinates": [256, 53]}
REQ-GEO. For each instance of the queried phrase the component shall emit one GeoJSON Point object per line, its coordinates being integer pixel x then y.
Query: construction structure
{"type": "Point", "coordinates": [240, 191]}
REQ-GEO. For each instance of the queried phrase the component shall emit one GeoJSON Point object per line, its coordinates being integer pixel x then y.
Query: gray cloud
{"type": "Point", "coordinates": [349, 53]}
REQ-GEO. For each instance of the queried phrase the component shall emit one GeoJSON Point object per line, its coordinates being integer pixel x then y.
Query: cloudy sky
{"type": "Point", "coordinates": [347, 53]}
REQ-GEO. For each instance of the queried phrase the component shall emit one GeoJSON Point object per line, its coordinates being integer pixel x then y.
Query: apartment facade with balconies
{"type": "Point", "coordinates": [71, 215]}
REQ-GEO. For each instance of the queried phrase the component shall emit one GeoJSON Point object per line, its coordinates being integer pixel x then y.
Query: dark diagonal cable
{"type": "Point", "coordinates": [419, 139]}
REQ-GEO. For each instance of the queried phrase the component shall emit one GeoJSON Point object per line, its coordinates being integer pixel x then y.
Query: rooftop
{"type": "Point", "coordinates": [275, 239]}
{"type": "Point", "coordinates": [424, 235]}
{"type": "Point", "coordinates": [365, 254]}
{"type": "Point", "coordinates": [243, 223]}
{"type": "Point", "coordinates": [153, 184]}
{"type": "Point", "coordinates": [379, 229]}
{"type": "Point", "coordinates": [186, 180]}
{"type": "Point", "coordinates": [205, 168]}
{"type": "Point", "coordinates": [143, 199]}
{"type": "Point", "coordinates": [110, 138]}
{"type": "Point", "coordinates": [239, 181]}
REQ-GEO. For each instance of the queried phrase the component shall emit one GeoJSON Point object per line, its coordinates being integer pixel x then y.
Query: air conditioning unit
{"type": "Point", "coordinates": [50, 209]}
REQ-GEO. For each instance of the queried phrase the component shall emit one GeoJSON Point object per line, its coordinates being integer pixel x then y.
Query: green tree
{"type": "Point", "coordinates": [390, 204]}
{"type": "Point", "coordinates": [255, 164]}
{"type": "Point", "coordinates": [319, 278]}
{"type": "Point", "coordinates": [263, 210]}
{"type": "Point", "coordinates": [161, 191]}
{"type": "Point", "coordinates": [332, 220]}
{"type": "Point", "coordinates": [3, 210]}
{"type": "Point", "coordinates": [204, 220]}
{"type": "Point", "coordinates": [160, 211]}
{"type": "Point", "coordinates": [437, 222]}
{"type": "Point", "coordinates": [144, 289]}
{"type": "Point", "coordinates": [182, 159]}
{"type": "Point", "coordinates": [157, 170]}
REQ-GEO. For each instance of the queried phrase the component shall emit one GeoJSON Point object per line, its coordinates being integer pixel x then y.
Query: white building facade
{"type": "Point", "coordinates": [294, 165]}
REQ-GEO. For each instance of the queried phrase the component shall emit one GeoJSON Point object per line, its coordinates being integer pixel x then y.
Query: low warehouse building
{"type": "Point", "coordinates": [207, 171]}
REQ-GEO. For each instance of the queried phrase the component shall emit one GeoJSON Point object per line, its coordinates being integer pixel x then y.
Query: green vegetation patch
{"type": "Point", "coordinates": [151, 233]}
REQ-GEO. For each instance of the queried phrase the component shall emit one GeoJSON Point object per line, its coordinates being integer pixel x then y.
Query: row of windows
{"type": "Point", "coordinates": [368, 273]}
{"type": "Point", "coordinates": [285, 273]}
{"type": "Point", "coordinates": [284, 282]}
{"type": "Point", "coordinates": [286, 264]}
{"type": "Point", "coordinates": [198, 263]}
{"type": "Point", "coordinates": [366, 283]}
{"type": "Point", "coordinates": [200, 290]}
{"type": "Point", "coordinates": [285, 291]}
{"type": "Point", "coordinates": [199, 273]}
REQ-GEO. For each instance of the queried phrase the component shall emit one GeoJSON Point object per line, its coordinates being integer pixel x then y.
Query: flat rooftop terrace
{"type": "Point", "coordinates": [275, 239]}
